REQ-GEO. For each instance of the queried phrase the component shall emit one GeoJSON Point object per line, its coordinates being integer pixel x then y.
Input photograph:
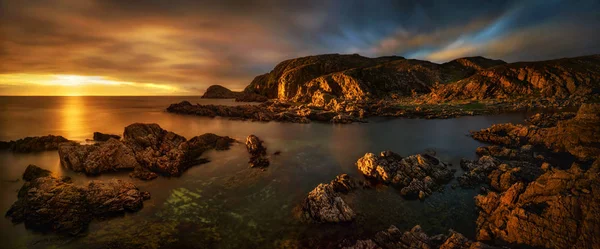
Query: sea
{"type": "Point", "coordinates": [226, 204]}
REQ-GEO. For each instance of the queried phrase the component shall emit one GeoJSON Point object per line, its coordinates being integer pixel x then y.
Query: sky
{"type": "Point", "coordinates": [180, 47]}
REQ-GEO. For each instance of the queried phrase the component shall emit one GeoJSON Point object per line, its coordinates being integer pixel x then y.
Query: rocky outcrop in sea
{"type": "Point", "coordinates": [50, 204]}
{"type": "Point", "coordinates": [258, 152]}
{"type": "Point", "coordinates": [147, 149]}
{"type": "Point", "coordinates": [34, 144]}
{"type": "Point", "coordinates": [324, 204]}
{"type": "Point", "coordinates": [417, 176]}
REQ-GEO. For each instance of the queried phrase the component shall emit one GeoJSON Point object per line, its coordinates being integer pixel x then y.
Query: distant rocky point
{"type": "Point", "coordinates": [221, 92]}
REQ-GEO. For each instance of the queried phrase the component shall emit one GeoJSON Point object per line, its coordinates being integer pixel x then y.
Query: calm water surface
{"type": "Point", "coordinates": [225, 204]}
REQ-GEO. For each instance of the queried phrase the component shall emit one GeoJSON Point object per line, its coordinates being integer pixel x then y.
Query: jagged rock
{"type": "Point", "coordinates": [35, 144]}
{"type": "Point", "coordinates": [325, 204]}
{"type": "Point", "coordinates": [146, 149]}
{"type": "Point", "coordinates": [393, 238]}
{"type": "Point", "coordinates": [558, 210]}
{"type": "Point", "coordinates": [112, 155]}
{"type": "Point", "coordinates": [561, 78]}
{"type": "Point", "coordinates": [578, 136]}
{"type": "Point", "coordinates": [416, 176]}
{"type": "Point", "coordinates": [165, 152]}
{"type": "Point", "coordinates": [500, 176]}
{"type": "Point", "coordinates": [102, 137]}
{"type": "Point", "coordinates": [257, 151]}
{"type": "Point", "coordinates": [46, 203]}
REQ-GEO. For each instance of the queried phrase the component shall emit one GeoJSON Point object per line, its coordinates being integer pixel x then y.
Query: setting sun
{"type": "Point", "coordinates": [75, 85]}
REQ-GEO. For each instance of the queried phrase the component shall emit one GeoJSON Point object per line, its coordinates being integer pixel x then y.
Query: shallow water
{"type": "Point", "coordinates": [225, 204]}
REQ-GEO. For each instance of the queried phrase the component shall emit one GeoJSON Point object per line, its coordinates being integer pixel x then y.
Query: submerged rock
{"type": "Point", "coordinates": [146, 149]}
{"type": "Point", "coordinates": [416, 176]}
{"type": "Point", "coordinates": [50, 204]}
{"type": "Point", "coordinates": [257, 152]}
{"type": "Point", "coordinates": [393, 238]}
{"type": "Point", "coordinates": [560, 209]}
{"type": "Point", "coordinates": [102, 137]}
{"type": "Point", "coordinates": [35, 144]}
{"type": "Point", "coordinates": [325, 204]}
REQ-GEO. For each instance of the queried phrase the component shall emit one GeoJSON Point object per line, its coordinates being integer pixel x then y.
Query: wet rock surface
{"type": "Point", "coordinates": [49, 204]}
{"type": "Point", "coordinates": [103, 137]}
{"type": "Point", "coordinates": [393, 238]}
{"type": "Point", "coordinates": [558, 210]}
{"type": "Point", "coordinates": [325, 203]}
{"type": "Point", "coordinates": [258, 152]}
{"type": "Point", "coordinates": [34, 144]}
{"type": "Point", "coordinates": [416, 176]}
{"type": "Point", "coordinates": [147, 149]}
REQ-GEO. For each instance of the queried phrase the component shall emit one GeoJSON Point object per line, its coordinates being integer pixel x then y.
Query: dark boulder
{"type": "Point", "coordinates": [258, 152]}
{"type": "Point", "coordinates": [51, 204]}
{"type": "Point", "coordinates": [102, 137]}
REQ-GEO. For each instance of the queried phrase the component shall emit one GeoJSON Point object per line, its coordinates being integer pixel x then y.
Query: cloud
{"type": "Point", "coordinates": [190, 44]}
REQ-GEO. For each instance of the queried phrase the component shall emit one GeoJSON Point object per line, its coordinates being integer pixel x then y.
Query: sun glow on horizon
{"type": "Point", "coordinates": [77, 85]}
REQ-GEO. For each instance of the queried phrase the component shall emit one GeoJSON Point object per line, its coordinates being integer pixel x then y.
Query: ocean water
{"type": "Point", "coordinates": [225, 204]}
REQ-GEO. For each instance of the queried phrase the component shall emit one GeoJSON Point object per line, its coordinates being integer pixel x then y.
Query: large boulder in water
{"type": "Point", "coordinates": [416, 176]}
{"type": "Point", "coordinates": [147, 149]}
{"type": "Point", "coordinates": [257, 152]}
{"type": "Point", "coordinates": [51, 204]}
{"type": "Point", "coordinates": [325, 204]}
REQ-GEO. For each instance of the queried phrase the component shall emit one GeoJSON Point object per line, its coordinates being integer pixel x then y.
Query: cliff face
{"type": "Point", "coordinates": [559, 78]}
{"type": "Point", "coordinates": [318, 79]}
{"type": "Point", "coordinates": [353, 77]}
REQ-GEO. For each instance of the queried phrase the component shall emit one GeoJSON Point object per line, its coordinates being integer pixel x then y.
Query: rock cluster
{"type": "Point", "coordinates": [325, 203]}
{"type": "Point", "coordinates": [578, 136]}
{"type": "Point", "coordinates": [268, 111]}
{"type": "Point", "coordinates": [147, 149]}
{"type": "Point", "coordinates": [221, 92]}
{"type": "Point", "coordinates": [46, 203]}
{"type": "Point", "coordinates": [558, 210]}
{"type": "Point", "coordinates": [103, 137]}
{"type": "Point", "coordinates": [416, 176]}
{"type": "Point", "coordinates": [258, 152]}
{"type": "Point", "coordinates": [34, 144]}
{"type": "Point", "coordinates": [393, 238]}
{"type": "Point", "coordinates": [500, 176]}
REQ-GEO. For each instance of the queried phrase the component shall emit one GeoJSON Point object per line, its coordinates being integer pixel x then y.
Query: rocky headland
{"type": "Point", "coordinates": [348, 88]}
{"type": "Point", "coordinates": [50, 204]}
{"type": "Point", "coordinates": [221, 92]}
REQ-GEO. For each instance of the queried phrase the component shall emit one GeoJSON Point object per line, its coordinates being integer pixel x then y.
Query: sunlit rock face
{"type": "Point", "coordinates": [560, 209]}
{"type": "Point", "coordinates": [353, 77]}
{"type": "Point", "coordinates": [562, 78]}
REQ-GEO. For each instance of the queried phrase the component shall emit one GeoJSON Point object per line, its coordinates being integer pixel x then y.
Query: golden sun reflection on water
{"type": "Point", "coordinates": [72, 121]}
